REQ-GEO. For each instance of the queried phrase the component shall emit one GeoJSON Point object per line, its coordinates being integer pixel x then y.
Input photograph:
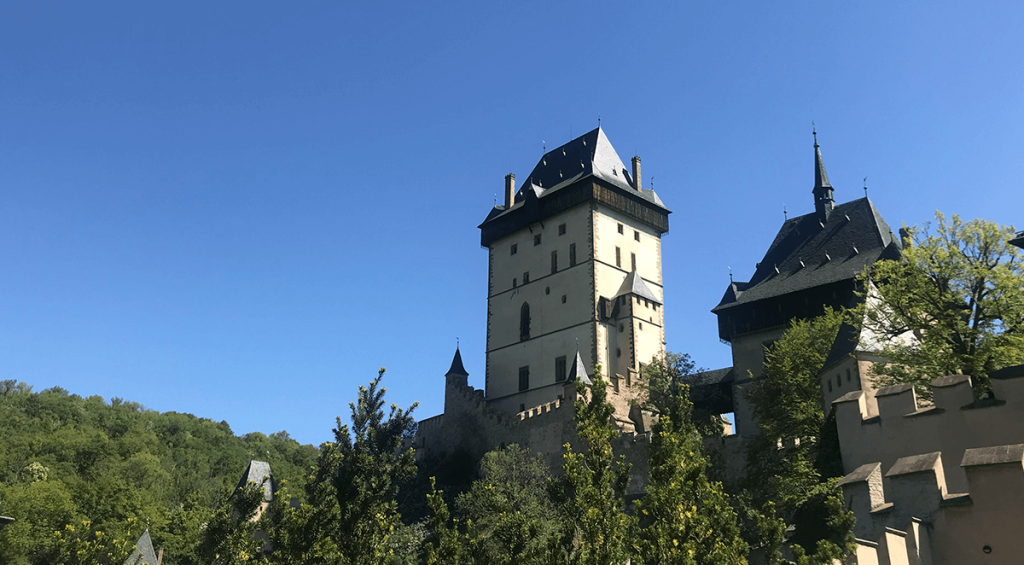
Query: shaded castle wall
{"type": "Point", "coordinates": [909, 516]}
{"type": "Point", "coordinates": [955, 423]}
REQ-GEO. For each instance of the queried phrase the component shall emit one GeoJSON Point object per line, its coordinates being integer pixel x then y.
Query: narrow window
{"type": "Point", "coordinates": [536, 239]}
{"type": "Point", "coordinates": [572, 254]}
{"type": "Point", "coordinates": [641, 325]}
{"type": "Point", "coordinates": [514, 282]}
{"type": "Point", "coordinates": [563, 299]}
{"type": "Point", "coordinates": [839, 381]}
{"type": "Point", "coordinates": [547, 290]}
{"type": "Point", "coordinates": [554, 262]}
{"type": "Point", "coordinates": [847, 375]}
{"type": "Point", "coordinates": [515, 248]}
{"type": "Point", "coordinates": [636, 235]}
{"type": "Point", "coordinates": [620, 228]}
{"type": "Point", "coordinates": [526, 277]}
{"type": "Point", "coordinates": [522, 408]}
{"type": "Point", "coordinates": [560, 369]}
{"type": "Point", "coordinates": [830, 385]}
{"type": "Point", "coordinates": [524, 378]}
{"type": "Point", "coordinates": [632, 257]}
{"type": "Point", "coordinates": [524, 322]}
{"type": "Point", "coordinates": [622, 328]}
{"type": "Point", "coordinates": [618, 352]}
{"type": "Point", "coordinates": [561, 229]}
{"type": "Point", "coordinates": [618, 257]}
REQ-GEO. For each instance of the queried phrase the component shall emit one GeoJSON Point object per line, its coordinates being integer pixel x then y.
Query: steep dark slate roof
{"type": "Point", "coordinates": [579, 370]}
{"type": "Point", "coordinates": [143, 554]}
{"type": "Point", "coordinates": [712, 377]}
{"type": "Point", "coordinates": [845, 345]}
{"type": "Point", "coordinates": [1018, 240]}
{"type": "Point", "coordinates": [555, 185]}
{"type": "Point", "coordinates": [634, 284]}
{"type": "Point", "coordinates": [808, 254]}
{"type": "Point", "coordinates": [258, 472]}
{"type": "Point", "coordinates": [457, 368]}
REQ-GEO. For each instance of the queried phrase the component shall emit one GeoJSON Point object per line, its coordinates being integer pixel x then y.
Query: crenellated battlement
{"type": "Point", "coordinates": [954, 422]}
{"type": "Point", "coordinates": [545, 408]}
{"type": "Point", "coordinates": [909, 514]}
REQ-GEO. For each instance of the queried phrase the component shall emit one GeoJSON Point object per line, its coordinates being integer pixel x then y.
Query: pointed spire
{"type": "Point", "coordinates": [457, 368]}
{"type": "Point", "coordinates": [578, 370]}
{"type": "Point", "coordinates": [823, 200]}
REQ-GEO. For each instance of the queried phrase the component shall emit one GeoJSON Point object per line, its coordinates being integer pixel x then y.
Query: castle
{"type": "Point", "coordinates": [589, 233]}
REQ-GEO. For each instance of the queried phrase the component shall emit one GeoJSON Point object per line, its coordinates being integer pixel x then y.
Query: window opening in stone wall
{"type": "Point", "coordinates": [618, 352]}
{"type": "Point", "coordinates": [636, 235]}
{"type": "Point", "coordinates": [515, 283]}
{"type": "Point", "coordinates": [632, 258]}
{"type": "Point", "coordinates": [524, 322]}
{"type": "Point", "coordinates": [524, 378]}
{"type": "Point", "coordinates": [554, 262]}
{"type": "Point", "coordinates": [515, 248]}
{"type": "Point", "coordinates": [561, 229]}
{"type": "Point", "coordinates": [563, 299]}
{"type": "Point", "coordinates": [622, 328]}
{"type": "Point", "coordinates": [641, 325]}
{"type": "Point", "coordinates": [522, 408]}
{"type": "Point", "coordinates": [536, 239]}
{"type": "Point", "coordinates": [620, 228]}
{"type": "Point", "coordinates": [547, 290]}
{"type": "Point", "coordinates": [618, 257]}
{"type": "Point", "coordinates": [526, 277]}
{"type": "Point", "coordinates": [572, 254]}
{"type": "Point", "coordinates": [830, 385]}
{"type": "Point", "coordinates": [847, 375]}
{"type": "Point", "coordinates": [560, 369]}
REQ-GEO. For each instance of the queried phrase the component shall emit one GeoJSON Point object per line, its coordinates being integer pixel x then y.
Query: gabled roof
{"type": "Point", "coordinates": [1018, 240]}
{"type": "Point", "coordinates": [143, 554]}
{"type": "Point", "coordinates": [634, 284]}
{"type": "Point", "coordinates": [579, 370]}
{"type": "Point", "coordinates": [258, 472]}
{"type": "Point", "coordinates": [457, 368]}
{"type": "Point", "coordinates": [808, 253]}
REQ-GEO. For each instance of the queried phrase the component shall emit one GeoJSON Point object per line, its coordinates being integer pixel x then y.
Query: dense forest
{"type": "Point", "coordinates": [67, 460]}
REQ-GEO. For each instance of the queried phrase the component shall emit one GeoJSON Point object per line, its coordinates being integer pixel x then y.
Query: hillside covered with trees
{"type": "Point", "coordinates": [65, 460]}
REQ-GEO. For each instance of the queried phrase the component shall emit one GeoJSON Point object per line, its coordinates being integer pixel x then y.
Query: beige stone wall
{"type": "Point", "coordinates": [906, 513]}
{"type": "Point", "coordinates": [955, 423]}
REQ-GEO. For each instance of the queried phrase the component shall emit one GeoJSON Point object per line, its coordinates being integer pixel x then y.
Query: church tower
{"type": "Point", "coordinates": [574, 264]}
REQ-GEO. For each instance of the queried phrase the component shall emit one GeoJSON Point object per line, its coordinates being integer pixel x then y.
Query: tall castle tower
{"type": "Point", "coordinates": [574, 264]}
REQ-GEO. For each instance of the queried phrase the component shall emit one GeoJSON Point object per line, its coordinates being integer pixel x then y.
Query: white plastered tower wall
{"type": "Point", "coordinates": [565, 279]}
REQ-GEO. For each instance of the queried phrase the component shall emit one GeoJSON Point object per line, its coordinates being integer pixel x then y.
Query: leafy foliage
{"type": "Point", "coordinates": [960, 293]}
{"type": "Point", "coordinates": [591, 495]}
{"type": "Point", "coordinates": [784, 483]}
{"type": "Point", "coordinates": [511, 518]}
{"type": "Point", "coordinates": [66, 460]}
{"type": "Point", "coordinates": [684, 518]}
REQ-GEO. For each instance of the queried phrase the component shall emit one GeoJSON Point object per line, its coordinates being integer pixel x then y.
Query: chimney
{"type": "Point", "coordinates": [636, 173]}
{"type": "Point", "coordinates": [510, 190]}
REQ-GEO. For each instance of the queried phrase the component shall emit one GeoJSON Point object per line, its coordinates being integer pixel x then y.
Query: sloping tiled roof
{"type": "Point", "coordinates": [457, 368]}
{"type": "Point", "coordinates": [634, 284]}
{"type": "Point", "coordinates": [847, 340]}
{"type": "Point", "coordinates": [807, 253]}
{"type": "Point", "coordinates": [143, 554]}
{"type": "Point", "coordinates": [258, 472]}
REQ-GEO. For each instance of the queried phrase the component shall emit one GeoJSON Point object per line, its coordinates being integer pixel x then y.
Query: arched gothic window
{"type": "Point", "coordinates": [524, 322]}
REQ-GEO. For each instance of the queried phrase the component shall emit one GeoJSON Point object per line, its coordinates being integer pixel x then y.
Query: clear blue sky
{"type": "Point", "coordinates": [242, 210]}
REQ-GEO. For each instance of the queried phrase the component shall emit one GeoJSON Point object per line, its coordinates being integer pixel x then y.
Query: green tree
{"type": "Point", "coordinates": [510, 516]}
{"type": "Point", "coordinates": [683, 517]}
{"type": "Point", "coordinates": [591, 493]}
{"type": "Point", "coordinates": [450, 548]}
{"type": "Point", "coordinates": [351, 512]}
{"type": "Point", "coordinates": [785, 460]}
{"type": "Point", "coordinates": [960, 293]}
{"type": "Point", "coordinates": [231, 536]}
{"type": "Point", "coordinates": [663, 375]}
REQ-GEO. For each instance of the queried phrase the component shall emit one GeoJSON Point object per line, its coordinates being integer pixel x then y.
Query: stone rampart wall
{"type": "Point", "coordinates": [909, 514]}
{"type": "Point", "coordinates": [953, 423]}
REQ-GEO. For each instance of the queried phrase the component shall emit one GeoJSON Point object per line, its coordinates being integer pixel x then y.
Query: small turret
{"type": "Point", "coordinates": [823, 200]}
